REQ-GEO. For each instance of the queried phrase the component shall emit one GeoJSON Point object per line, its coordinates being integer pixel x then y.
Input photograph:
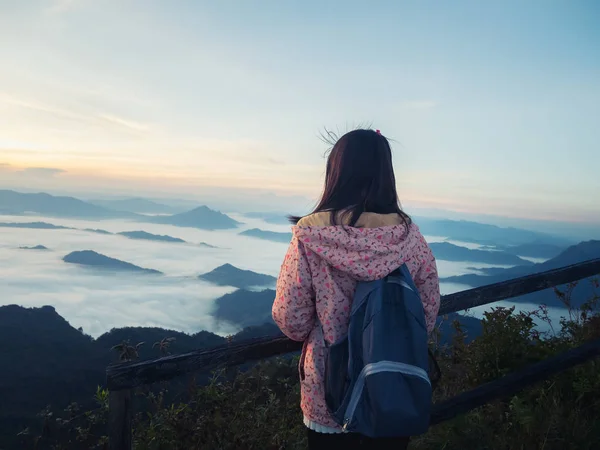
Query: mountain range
{"type": "Point", "coordinates": [584, 291]}
{"type": "Point", "coordinates": [143, 235]}
{"type": "Point", "coordinates": [136, 205]}
{"type": "Point", "coordinates": [33, 225]}
{"type": "Point", "coordinates": [16, 203]}
{"type": "Point", "coordinates": [480, 233]}
{"type": "Point", "coordinates": [450, 252]}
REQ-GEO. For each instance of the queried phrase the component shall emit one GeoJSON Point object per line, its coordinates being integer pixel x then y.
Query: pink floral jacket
{"type": "Point", "coordinates": [317, 282]}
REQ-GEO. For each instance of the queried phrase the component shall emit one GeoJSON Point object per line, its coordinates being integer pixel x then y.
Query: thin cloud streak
{"type": "Point", "coordinates": [136, 126]}
{"type": "Point", "coordinates": [42, 171]}
{"type": "Point", "coordinates": [102, 119]}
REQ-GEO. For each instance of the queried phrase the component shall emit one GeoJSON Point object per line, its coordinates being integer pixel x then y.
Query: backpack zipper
{"type": "Point", "coordinates": [370, 369]}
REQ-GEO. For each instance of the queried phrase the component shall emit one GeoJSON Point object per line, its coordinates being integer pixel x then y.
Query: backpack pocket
{"type": "Point", "coordinates": [389, 399]}
{"type": "Point", "coordinates": [337, 380]}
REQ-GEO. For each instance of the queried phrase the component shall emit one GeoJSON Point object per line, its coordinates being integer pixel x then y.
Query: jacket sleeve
{"type": "Point", "coordinates": [428, 284]}
{"type": "Point", "coordinates": [294, 309]}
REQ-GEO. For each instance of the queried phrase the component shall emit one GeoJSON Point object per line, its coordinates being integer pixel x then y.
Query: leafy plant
{"type": "Point", "coordinates": [258, 408]}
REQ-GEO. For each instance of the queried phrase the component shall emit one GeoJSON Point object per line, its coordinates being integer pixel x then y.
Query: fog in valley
{"type": "Point", "coordinates": [97, 300]}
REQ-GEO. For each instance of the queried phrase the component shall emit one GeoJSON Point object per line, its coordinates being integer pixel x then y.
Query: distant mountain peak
{"type": "Point", "coordinates": [229, 275]}
{"type": "Point", "coordinates": [37, 247]}
{"type": "Point", "coordinates": [94, 259]}
{"type": "Point", "coordinates": [201, 217]}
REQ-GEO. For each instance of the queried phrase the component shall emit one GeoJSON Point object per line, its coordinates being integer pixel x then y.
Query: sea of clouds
{"type": "Point", "coordinates": [98, 301]}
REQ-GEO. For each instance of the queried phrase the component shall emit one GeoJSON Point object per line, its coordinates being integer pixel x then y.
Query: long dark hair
{"type": "Point", "coordinates": [359, 178]}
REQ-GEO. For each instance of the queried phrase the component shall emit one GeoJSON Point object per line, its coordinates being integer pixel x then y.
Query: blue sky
{"type": "Point", "coordinates": [493, 106]}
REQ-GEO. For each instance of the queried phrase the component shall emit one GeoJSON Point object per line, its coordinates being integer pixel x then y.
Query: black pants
{"type": "Point", "coordinates": [353, 441]}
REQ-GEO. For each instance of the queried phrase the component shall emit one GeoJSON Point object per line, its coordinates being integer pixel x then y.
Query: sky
{"type": "Point", "coordinates": [492, 107]}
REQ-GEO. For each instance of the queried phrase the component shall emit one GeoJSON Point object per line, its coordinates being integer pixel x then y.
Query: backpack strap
{"type": "Point", "coordinates": [399, 276]}
{"type": "Point", "coordinates": [363, 289]}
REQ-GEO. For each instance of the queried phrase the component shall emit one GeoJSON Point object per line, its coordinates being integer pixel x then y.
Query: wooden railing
{"type": "Point", "coordinates": [122, 378]}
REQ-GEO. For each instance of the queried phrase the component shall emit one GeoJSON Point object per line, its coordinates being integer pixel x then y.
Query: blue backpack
{"type": "Point", "coordinates": [376, 378]}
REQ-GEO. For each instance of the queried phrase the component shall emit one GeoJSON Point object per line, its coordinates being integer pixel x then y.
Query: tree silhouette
{"type": "Point", "coordinates": [126, 351]}
{"type": "Point", "coordinates": [163, 345]}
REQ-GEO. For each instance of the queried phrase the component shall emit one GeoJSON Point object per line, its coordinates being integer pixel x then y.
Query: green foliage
{"type": "Point", "coordinates": [258, 409]}
{"type": "Point", "coordinates": [255, 410]}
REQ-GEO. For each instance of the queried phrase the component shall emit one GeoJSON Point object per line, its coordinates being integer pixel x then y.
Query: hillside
{"type": "Point", "coordinates": [202, 218]}
{"type": "Point", "coordinates": [50, 362]}
{"type": "Point", "coordinates": [274, 236]}
{"type": "Point", "coordinates": [96, 260]}
{"type": "Point", "coordinates": [467, 231]}
{"type": "Point", "coordinates": [17, 203]}
{"type": "Point", "coordinates": [53, 363]}
{"type": "Point", "coordinates": [228, 275]}
{"type": "Point", "coordinates": [450, 252]}
{"type": "Point", "coordinates": [575, 254]}
{"type": "Point", "coordinates": [245, 308]}
{"type": "Point", "coordinates": [142, 235]}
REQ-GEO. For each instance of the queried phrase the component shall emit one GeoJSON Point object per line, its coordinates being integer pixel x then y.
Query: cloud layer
{"type": "Point", "coordinates": [98, 302]}
{"type": "Point", "coordinates": [178, 300]}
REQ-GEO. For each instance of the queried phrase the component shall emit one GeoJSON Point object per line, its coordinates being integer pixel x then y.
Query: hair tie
{"type": "Point", "coordinates": [377, 131]}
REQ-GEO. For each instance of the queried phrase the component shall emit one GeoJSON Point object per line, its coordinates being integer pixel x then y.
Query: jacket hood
{"type": "Point", "coordinates": [363, 251]}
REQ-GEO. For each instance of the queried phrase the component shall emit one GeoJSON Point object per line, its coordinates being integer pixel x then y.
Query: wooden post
{"type": "Point", "coordinates": [119, 420]}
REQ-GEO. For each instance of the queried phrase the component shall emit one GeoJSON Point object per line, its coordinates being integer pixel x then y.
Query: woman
{"type": "Point", "coordinates": [358, 232]}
